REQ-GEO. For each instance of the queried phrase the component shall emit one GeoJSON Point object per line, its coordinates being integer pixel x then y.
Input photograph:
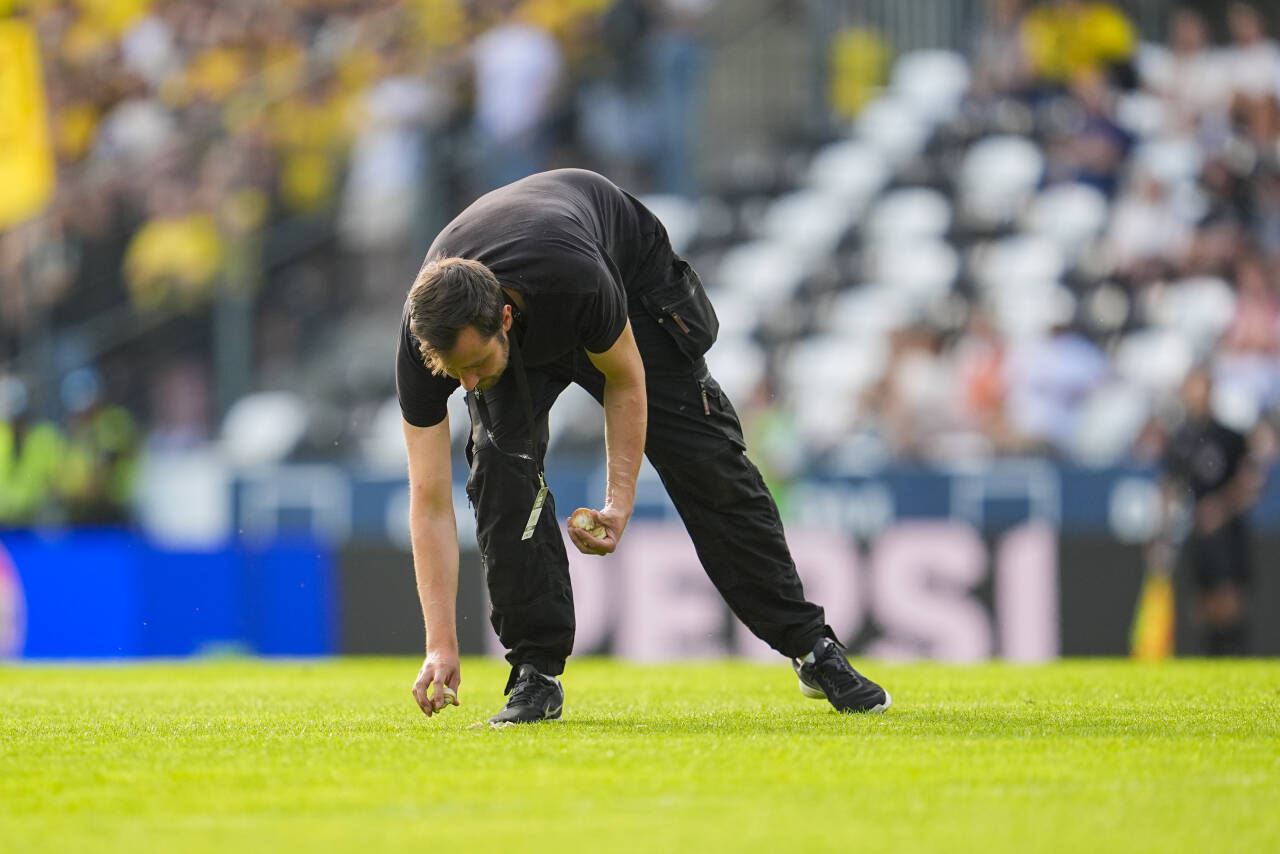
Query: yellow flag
{"type": "Point", "coordinates": [1151, 638]}
{"type": "Point", "coordinates": [26, 158]}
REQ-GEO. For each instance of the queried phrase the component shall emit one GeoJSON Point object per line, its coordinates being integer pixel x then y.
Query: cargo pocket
{"type": "Point", "coordinates": [681, 306]}
{"type": "Point", "coordinates": [718, 411]}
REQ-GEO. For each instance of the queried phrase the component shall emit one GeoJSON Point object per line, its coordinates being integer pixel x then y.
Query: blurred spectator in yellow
{"type": "Point", "coordinates": [95, 480]}
{"type": "Point", "coordinates": [310, 132]}
{"type": "Point", "coordinates": [859, 66]}
{"type": "Point", "coordinates": [1065, 38]}
{"type": "Point", "coordinates": [177, 254]}
{"type": "Point", "coordinates": [31, 452]}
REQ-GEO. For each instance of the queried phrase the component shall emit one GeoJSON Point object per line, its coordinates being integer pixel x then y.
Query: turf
{"type": "Point", "coordinates": [247, 756]}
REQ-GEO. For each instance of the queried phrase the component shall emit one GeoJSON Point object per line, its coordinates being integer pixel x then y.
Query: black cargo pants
{"type": "Point", "coordinates": [695, 443]}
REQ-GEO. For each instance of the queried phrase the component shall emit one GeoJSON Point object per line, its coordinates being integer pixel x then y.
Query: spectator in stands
{"type": "Point", "coordinates": [981, 381]}
{"type": "Point", "coordinates": [518, 69]}
{"type": "Point", "coordinates": [1000, 63]}
{"type": "Point", "coordinates": [1249, 354]}
{"type": "Point", "coordinates": [677, 58]}
{"type": "Point", "coordinates": [1065, 38]}
{"type": "Point", "coordinates": [177, 254]}
{"type": "Point", "coordinates": [1225, 223]}
{"type": "Point", "coordinates": [1089, 145]}
{"type": "Point", "coordinates": [1210, 470]}
{"type": "Point", "coordinates": [1048, 378]}
{"type": "Point", "coordinates": [1191, 77]}
{"type": "Point", "coordinates": [1253, 66]}
{"type": "Point", "coordinates": [913, 400]}
{"type": "Point", "coordinates": [1148, 238]}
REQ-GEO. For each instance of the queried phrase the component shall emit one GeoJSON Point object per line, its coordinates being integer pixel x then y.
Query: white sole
{"type": "Point", "coordinates": [815, 694]}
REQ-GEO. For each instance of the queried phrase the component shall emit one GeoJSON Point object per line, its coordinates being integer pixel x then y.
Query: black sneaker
{"type": "Point", "coordinates": [830, 676]}
{"type": "Point", "coordinates": [530, 697]}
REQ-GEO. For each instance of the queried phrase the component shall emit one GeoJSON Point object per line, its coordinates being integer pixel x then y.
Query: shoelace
{"type": "Point", "coordinates": [836, 674]}
{"type": "Point", "coordinates": [526, 691]}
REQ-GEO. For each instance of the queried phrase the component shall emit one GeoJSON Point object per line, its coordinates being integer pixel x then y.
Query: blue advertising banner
{"type": "Point", "coordinates": [110, 593]}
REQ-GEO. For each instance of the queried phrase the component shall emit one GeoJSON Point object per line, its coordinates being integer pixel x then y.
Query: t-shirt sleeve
{"type": "Point", "coordinates": [424, 396]}
{"type": "Point", "coordinates": [602, 317]}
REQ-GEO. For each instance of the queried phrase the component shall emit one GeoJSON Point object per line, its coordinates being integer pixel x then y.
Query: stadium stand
{"type": "Point", "coordinates": [1009, 250]}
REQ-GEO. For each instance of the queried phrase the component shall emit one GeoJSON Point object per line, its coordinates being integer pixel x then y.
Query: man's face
{"type": "Point", "coordinates": [478, 362]}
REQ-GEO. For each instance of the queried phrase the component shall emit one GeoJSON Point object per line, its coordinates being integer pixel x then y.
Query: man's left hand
{"type": "Point", "coordinates": [613, 520]}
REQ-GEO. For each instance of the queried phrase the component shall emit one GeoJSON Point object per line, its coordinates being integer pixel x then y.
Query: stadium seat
{"type": "Point", "coordinates": [811, 221]}
{"type": "Point", "coordinates": [933, 81]}
{"type": "Point", "coordinates": [1019, 262]}
{"type": "Point", "coordinates": [575, 417]}
{"type": "Point", "coordinates": [871, 308]}
{"type": "Point", "coordinates": [263, 428]}
{"type": "Point", "coordinates": [383, 444]}
{"type": "Point", "coordinates": [1069, 214]}
{"type": "Point", "coordinates": [997, 175]}
{"type": "Point", "coordinates": [1031, 310]}
{"type": "Point", "coordinates": [922, 269]}
{"type": "Point", "coordinates": [1199, 308]}
{"type": "Point", "coordinates": [1156, 359]}
{"type": "Point", "coordinates": [1142, 114]}
{"type": "Point", "coordinates": [852, 170]}
{"type": "Point", "coordinates": [767, 272]}
{"type": "Point", "coordinates": [678, 215]}
{"type": "Point", "coordinates": [1110, 420]}
{"type": "Point", "coordinates": [895, 128]}
{"type": "Point", "coordinates": [1173, 160]}
{"type": "Point", "coordinates": [910, 212]}
{"type": "Point", "coordinates": [823, 378]}
{"type": "Point", "coordinates": [738, 364]}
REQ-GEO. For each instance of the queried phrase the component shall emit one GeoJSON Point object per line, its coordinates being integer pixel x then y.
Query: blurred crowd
{"type": "Point", "coordinates": [276, 169]}
{"type": "Point", "coordinates": [1143, 240]}
{"type": "Point", "coordinates": [290, 160]}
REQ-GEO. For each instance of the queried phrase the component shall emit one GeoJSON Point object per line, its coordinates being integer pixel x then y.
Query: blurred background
{"type": "Point", "coordinates": [966, 255]}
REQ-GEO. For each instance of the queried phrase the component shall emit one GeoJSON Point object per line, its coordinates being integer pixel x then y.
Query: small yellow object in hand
{"type": "Point", "coordinates": [586, 520]}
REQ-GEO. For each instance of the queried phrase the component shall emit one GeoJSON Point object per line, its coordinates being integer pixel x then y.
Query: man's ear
{"type": "Point", "coordinates": [507, 318]}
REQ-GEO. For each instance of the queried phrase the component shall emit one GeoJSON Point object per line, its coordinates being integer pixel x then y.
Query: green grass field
{"type": "Point", "coordinates": [246, 756]}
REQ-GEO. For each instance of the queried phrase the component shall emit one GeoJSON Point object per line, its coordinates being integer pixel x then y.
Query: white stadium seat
{"type": "Point", "coordinates": [738, 364]}
{"type": "Point", "coordinates": [811, 221]}
{"type": "Point", "coordinates": [895, 128]}
{"type": "Point", "coordinates": [922, 269]}
{"type": "Point", "coordinates": [1069, 214]}
{"type": "Point", "coordinates": [933, 81]}
{"type": "Point", "coordinates": [997, 176]}
{"type": "Point", "coordinates": [678, 215]}
{"type": "Point", "coordinates": [1018, 262]}
{"type": "Point", "coordinates": [766, 272]}
{"type": "Point", "coordinates": [854, 171]}
{"type": "Point", "coordinates": [910, 212]}
{"type": "Point", "coordinates": [1156, 359]}
{"type": "Point", "coordinates": [874, 308]}
{"type": "Point", "coordinates": [263, 428]}
{"type": "Point", "coordinates": [1110, 420]}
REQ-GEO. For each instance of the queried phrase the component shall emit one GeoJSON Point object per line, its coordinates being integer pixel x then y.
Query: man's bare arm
{"type": "Point", "coordinates": [434, 533]}
{"type": "Point", "coordinates": [625, 421]}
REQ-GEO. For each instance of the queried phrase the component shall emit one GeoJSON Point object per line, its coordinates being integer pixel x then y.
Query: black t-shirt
{"type": "Point", "coordinates": [1204, 456]}
{"type": "Point", "coordinates": [572, 244]}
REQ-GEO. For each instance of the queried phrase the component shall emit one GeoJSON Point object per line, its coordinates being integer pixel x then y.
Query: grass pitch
{"type": "Point", "coordinates": [248, 756]}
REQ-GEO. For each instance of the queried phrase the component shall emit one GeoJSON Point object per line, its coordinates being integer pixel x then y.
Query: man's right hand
{"type": "Point", "coordinates": [443, 671]}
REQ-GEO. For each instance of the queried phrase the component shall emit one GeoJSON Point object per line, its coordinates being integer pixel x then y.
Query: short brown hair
{"type": "Point", "coordinates": [449, 295]}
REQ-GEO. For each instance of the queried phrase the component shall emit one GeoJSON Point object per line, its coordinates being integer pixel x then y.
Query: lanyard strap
{"type": "Point", "coordinates": [515, 364]}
